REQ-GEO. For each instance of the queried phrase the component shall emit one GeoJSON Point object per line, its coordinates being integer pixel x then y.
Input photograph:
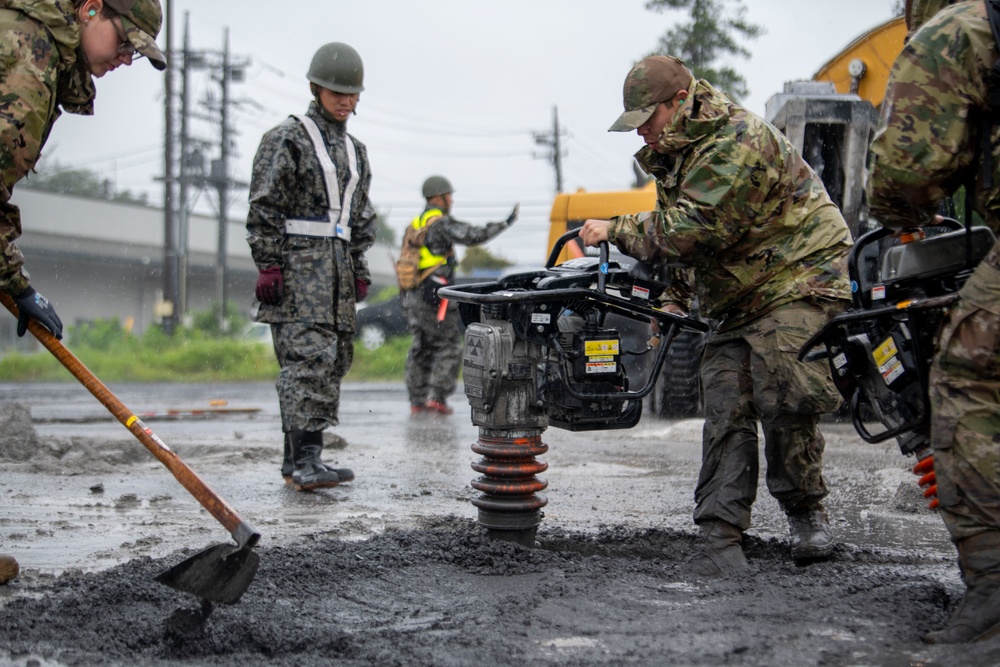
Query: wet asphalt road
{"type": "Point", "coordinates": [92, 511]}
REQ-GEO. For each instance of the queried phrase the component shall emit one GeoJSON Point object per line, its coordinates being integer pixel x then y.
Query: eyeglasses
{"type": "Point", "coordinates": [125, 48]}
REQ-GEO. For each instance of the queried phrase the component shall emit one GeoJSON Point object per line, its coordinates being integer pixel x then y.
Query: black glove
{"type": "Point", "coordinates": [512, 218]}
{"type": "Point", "coordinates": [430, 289]}
{"type": "Point", "coordinates": [270, 286]}
{"type": "Point", "coordinates": [33, 306]}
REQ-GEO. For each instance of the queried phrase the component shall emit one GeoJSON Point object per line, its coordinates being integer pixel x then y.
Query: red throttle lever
{"type": "Point", "coordinates": [928, 480]}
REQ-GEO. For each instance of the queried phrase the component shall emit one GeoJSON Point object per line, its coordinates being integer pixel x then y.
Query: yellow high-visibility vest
{"type": "Point", "coordinates": [428, 259]}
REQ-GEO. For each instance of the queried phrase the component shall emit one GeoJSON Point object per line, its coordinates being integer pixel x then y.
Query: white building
{"type": "Point", "coordinates": [98, 259]}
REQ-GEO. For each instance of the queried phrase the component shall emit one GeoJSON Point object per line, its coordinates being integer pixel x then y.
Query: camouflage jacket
{"type": "Point", "coordinates": [287, 183]}
{"type": "Point", "coordinates": [40, 71]}
{"type": "Point", "coordinates": [937, 94]}
{"type": "Point", "coordinates": [447, 231]}
{"type": "Point", "coordinates": [738, 205]}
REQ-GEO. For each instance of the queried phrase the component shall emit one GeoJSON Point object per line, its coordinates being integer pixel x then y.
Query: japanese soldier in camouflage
{"type": "Point", "coordinates": [752, 233]}
{"type": "Point", "coordinates": [309, 226]}
{"type": "Point", "coordinates": [50, 53]}
{"type": "Point", "coordinates": [929, 145]}
{"type": "Point", "coordinates": [435, 356]}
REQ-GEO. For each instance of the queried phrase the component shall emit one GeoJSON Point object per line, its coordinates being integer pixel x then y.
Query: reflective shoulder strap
{"type": "Point", "coordinates": [338, 215]}
{"type": "Point", "coordinates": [352, 182]}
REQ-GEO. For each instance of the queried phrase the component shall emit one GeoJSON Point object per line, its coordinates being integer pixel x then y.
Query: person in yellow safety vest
{"type": "Point", "coordinates": [433, 362]}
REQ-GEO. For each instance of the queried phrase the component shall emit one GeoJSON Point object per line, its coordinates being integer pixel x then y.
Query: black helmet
{"type": "Point", "coordinates": [337, 67]}
{"type": "Point", "coordinates": [436, 185]}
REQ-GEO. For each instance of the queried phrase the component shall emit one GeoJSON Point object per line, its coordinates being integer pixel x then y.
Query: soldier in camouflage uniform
{"type": "Point", "coordinates": [436, 353]}
{"type": "Point", "coordinates": [739, 208]}
{"type": "Point", "coordinates": [309, 226]}
{"type": "Point", "coordinates": [50, 53]}
{"type": "Point", "coordinates": [928, 146]}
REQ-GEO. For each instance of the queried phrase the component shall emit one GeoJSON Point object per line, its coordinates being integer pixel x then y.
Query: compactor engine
{"type": "Point", "coordinates": [880, 351]}
{"type": "Point", "coordinates": [541, 349]}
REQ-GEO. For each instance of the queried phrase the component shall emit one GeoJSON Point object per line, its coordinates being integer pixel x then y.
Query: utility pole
{"type": "Point", "coordinates": [185, 173]}
{"type": "Point", "coordinates": [231, 72]}
{"type": "Point", "coordinates": [555, 152]}
{"type": "Point", "coordinates": [169, 310]}
{"type": "Point", "coordinates": [193, 174]}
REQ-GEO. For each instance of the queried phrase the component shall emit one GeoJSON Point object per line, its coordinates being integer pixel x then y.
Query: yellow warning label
{"type": "Point", "coordinates": [884, 352]}
{"type": "Point", "coordinates": [600, 347]}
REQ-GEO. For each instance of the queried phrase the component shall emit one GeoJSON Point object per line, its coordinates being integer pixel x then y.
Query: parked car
{"type": "Point", "coordinates": [378, 322]}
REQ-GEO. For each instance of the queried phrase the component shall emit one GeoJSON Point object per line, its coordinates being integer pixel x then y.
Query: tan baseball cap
{"type": "Point", "coordinates": [655, 79]}
{"type": "Point", "coordinates": [142, 20]}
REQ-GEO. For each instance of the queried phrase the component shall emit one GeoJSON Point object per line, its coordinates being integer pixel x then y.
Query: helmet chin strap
{"type": "Point", "coordinates": [322, 109]}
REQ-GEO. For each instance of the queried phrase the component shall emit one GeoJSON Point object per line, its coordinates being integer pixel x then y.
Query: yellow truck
{"type": "Point", "coordinates": [830, 119]}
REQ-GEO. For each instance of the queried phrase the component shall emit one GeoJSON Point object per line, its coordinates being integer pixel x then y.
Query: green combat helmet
{"type": "Point", "coordinates": [436, 185]}
{"type": "Point", "coordinates": [337, 67]}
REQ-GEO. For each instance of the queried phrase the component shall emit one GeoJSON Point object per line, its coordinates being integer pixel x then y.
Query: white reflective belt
{"type": "Point", "coordinates": [337, 226]}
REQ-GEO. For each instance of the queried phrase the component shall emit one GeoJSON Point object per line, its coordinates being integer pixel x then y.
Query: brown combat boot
{"type": "Point", "coordinates": [811, 536]}
{"type": "Point", "coordinates": [978, 614]}
{"type": "Point", "coordinates": [720, 552]}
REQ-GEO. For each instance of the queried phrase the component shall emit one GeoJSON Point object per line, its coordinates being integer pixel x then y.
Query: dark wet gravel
{"type": "Point", "coordinates": [445, 594]}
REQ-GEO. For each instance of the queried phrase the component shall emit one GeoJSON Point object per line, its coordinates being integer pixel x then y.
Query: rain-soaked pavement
{"type": "Point", "coordinates": [393, 569]}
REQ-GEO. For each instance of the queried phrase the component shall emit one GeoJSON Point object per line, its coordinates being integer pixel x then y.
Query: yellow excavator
{"type": "Point", "coordinates": [863, 66]}
{"type": "Point", "coordinates": [830, 119]}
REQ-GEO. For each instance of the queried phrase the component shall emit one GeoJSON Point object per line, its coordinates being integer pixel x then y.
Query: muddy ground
{"type": "Point", "coordinates": [393, 569]}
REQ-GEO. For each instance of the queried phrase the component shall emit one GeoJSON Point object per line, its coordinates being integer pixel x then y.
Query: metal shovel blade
{"type": "Point", "coordinates": [221, 573]}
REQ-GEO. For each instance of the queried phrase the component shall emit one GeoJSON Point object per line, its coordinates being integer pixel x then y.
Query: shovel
{"type": "Point", "coordinates": [220, 573]}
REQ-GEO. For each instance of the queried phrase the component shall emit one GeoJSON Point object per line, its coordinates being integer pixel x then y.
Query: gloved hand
{"type": "Point", "coordinates": [512, 218]}
{"type": "Point", "coordinates": [360, 290]}
{"type": "Point", "coordinates": [33, 306]}
{"type": "Point", "coordinates": [928, 480]}
{"type": "Point", "coordinates": [270, 286]}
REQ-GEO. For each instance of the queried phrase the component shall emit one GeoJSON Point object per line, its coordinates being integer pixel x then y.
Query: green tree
{"type": "Point", "coordinates": [383, 232]}
{"type": "Point", "coordinates": [478, 257]}
{"type": "Point", "coordinates": [899, 8]}
{"type": "Point", "coordinates": [79, 182]}
{"type": "Point", "coordinates": [712, 34]}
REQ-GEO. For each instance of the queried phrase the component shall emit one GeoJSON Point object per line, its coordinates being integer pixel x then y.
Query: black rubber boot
{"type": "Point", "coordinates": [978, 615]}
{"type": "Point", "coordinates": [310, 472]}
{"type": "Point", "coordinates": [334, 441]}
{"type": "Point", "coordinates": [720, 552]}
{"type": "Point", "coordinates": [811, 536]}
{"type": "Point", "coordinates": [345, 474]}
{"type": "Point", "coordinates": [287, 465]}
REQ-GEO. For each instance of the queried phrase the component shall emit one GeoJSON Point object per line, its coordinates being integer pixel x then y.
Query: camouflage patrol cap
{"type": "Point", "coordinates": [655, 79]}
{"type": "Point", "coordinates": [142, 20]}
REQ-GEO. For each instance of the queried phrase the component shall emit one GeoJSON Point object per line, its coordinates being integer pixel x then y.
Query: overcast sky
{"type": "Point", "coordinates": [453, 87]}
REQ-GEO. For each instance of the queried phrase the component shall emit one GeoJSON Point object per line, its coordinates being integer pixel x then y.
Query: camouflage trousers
{"type": "Point", "coordinates": [435, 357]}
{"type": "Point", "coordinates": [313, 358]}
{"type": "Point", "coordinates": [965, 408]}
{"type": "Point", "coordinates": [752, 374]}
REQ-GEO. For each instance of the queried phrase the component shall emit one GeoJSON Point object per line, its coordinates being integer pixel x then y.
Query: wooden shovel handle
{"type": "Point", "coordinates": [242, 532]}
